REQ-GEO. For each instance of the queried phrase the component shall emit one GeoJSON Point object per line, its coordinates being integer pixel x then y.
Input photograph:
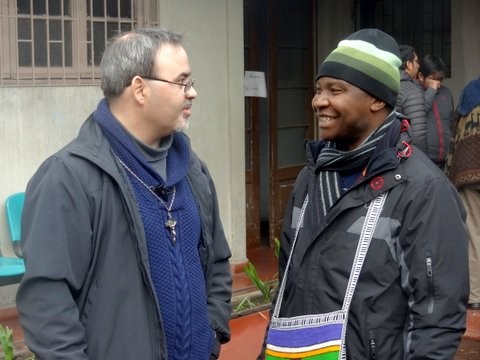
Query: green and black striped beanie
{"type": "Point", "coordinates": [368, 59]}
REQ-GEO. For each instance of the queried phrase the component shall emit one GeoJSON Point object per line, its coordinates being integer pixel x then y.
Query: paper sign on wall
{"type": "Point", "coordinates": [255, 84]}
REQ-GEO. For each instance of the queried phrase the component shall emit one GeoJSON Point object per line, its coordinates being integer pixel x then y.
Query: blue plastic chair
{"type": "Point", "coordinates": [11, 268]}
{"type": "Point", "coordinates": [14, 207]}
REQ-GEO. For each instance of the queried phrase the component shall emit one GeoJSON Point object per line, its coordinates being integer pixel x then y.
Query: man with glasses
{"type": "Point", "coordinates": [125, 253]}
{"type": "Point", "coordinates": [411, 100]}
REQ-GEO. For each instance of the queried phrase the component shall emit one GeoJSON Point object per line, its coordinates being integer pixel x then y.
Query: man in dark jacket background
{"type": "Point", "coordinates": [410, 298]}
{"type": "Point", "coordinates": [411, 98]}
{"type": "Point", "coordinates": [125, 253]}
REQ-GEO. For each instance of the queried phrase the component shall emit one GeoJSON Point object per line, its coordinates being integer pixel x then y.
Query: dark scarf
{"type": "Point", "coordinates": [332, 162]}
{"type": "Point", "coordinates": [175, 269]}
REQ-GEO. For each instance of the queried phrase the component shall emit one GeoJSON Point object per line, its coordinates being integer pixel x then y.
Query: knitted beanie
{"type": "Point", "coordinates": [368, 59]}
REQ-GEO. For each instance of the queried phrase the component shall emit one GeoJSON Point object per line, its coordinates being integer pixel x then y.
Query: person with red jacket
{"type": "Point", "coordinates": [439, 106]}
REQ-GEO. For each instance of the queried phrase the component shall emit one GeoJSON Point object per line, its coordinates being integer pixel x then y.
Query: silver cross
{"type": "Point", "coordinates": [170, 224]}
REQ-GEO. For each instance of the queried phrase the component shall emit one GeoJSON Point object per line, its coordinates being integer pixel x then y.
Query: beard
{"type": "Point", "coordinates": [183, 125]}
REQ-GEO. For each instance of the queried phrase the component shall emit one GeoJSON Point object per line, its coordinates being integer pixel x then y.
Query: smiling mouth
{"type": "Point", "coordinates": [325, 119]}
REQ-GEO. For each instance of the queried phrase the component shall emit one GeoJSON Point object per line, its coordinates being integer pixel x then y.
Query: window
{"type": "Point", "coordinates": [55, 42]}
{"type": "Point", "coordinates": [424, 24]}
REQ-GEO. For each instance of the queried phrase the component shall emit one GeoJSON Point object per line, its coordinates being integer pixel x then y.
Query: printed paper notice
{"type": "Point", "coordinates": [255, 84]}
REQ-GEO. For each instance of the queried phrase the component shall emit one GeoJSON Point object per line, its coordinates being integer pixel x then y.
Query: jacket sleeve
{"type": "Point", "coordinates": [217, 268]}
{"type": "Point", "coordinates": [56, 237]}
{"type": "Point", "coordinates": [220, 292]}
{"type": "Point", "coordinates": [434, 242]}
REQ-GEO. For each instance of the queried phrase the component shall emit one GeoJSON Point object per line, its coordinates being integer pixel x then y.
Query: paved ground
{"type": "Point", "coordinates": [469, 350]}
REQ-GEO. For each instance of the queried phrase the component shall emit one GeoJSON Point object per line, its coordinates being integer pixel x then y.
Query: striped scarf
{"type": "Point", "coordinates": [332, 161]}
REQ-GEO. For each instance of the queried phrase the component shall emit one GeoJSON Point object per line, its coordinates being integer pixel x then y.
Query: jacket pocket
{"type": "Point", "coordinates": [430, 288]}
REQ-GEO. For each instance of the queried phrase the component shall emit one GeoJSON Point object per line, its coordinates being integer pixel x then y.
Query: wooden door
{"type": "Point", "coordinates": [291, 87]}
{"type": "Point", "coordinates": [279, 41]}
{"type": "Point", "coordinates": [252, 129]}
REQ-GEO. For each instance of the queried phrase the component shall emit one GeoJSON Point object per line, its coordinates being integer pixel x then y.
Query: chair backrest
{"type": "Point", "coordinates": [14, 207]}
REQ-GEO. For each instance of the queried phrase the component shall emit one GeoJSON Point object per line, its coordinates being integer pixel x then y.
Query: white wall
{"type": "Point", "coordinates": [214, 39]}
{"type": "Point", "coordinates": [465, 45]}
{"type": "Point", "coordinates": [36, 122]}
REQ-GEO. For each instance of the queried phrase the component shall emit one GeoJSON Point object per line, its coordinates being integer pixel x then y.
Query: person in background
{"type": "Point", "coordinates": [439, 106]}
{"type": "Point", "coordinates": [373, 260]}
{"type": "Point", "coordinates": [463, 168]}
{"type": "Point", "coordinates": [125, 253]}
{"type": "Point", "coordinates": [411, 98]}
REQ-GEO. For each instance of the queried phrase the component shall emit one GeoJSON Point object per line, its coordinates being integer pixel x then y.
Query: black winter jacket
{"type": "Point", "coordinates": [87, 291]}
{"type": "Point", "coordinates": [410, 301]}
{"type": "Point", "coordinates": [440, 120]}
{"type": "Point", "coordinates": [411, 104]}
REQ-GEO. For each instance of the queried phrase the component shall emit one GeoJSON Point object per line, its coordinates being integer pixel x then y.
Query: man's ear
{"type": "Point", "coordinates": [139, 89]}
{"type": "Point", "coordinates": [377, 104]}
{"type": "Point", "coordinates": [409, 64]}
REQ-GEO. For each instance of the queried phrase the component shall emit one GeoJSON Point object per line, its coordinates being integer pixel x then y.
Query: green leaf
{"type": "Point", "coordinates": [6, 340]}
{"type": "Point", "coordinates": [252, 274]}
{"type": "Point", "coordinates": [276, 244]}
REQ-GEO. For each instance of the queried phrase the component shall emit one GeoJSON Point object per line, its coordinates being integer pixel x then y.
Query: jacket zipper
{"type": "Point", "coordinates": [428, 263]}
{"type": "Point", "coordinates": [438, 123]}
{"type": "Point", "coordinates": [372, 344]}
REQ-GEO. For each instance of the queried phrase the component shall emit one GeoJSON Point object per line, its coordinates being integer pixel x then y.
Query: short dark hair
{"type": "Point", "coordinates": [431, 64]}
{"type": "Point", "coordinates": [407, 53]}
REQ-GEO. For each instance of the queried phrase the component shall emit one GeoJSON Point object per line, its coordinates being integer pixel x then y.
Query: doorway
{"type": "Point", "coordinates": [279, 41]}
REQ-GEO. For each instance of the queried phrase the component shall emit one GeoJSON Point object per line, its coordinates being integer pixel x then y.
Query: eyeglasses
{"type": "Point", "coordinates": [186, 85]}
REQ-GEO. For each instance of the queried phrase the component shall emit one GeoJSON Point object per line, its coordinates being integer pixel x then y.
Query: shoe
{"type": "Point", "coordinates": [474, 306]}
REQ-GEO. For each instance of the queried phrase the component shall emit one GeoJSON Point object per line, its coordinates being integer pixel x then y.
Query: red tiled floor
{"type": "Point", "coordinates": [247, 337]}
{"type": "Point", "coordinates": [473, 325]}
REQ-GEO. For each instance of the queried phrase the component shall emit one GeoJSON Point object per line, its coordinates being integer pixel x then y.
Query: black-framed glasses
{"type": "Point", "coordinates": [186, 85]}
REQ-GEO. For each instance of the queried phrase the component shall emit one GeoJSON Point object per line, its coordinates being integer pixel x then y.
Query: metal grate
{"type": "Point", "coordinates": [60, 42]}
{"type": "Point", "coordinates": [424, 24]}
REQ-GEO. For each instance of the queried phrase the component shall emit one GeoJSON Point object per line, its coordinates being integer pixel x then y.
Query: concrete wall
{"type": "Point", "coordinates": [214, 34]}
{"type": "Point", "coordinates": [465, 45]}
{"type": "Point", "coordinates": [36, 122]}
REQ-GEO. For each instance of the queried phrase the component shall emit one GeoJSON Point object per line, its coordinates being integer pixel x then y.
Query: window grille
{"type": "Point", "coordinates": [60, 42]}
{"type": "Point", "coordinates": [423, 24]}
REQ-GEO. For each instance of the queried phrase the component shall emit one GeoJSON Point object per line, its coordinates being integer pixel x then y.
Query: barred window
{"type": "Point", "coordinates": [423, 24]}
{"type": "Point", "coordinates": [60, 42]}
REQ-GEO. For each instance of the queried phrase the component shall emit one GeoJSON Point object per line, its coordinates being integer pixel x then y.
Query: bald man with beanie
{"type": "Point", "coordinates": [373, 261]}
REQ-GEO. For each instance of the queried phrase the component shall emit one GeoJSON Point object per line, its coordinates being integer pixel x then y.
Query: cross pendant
{"type": "Point", "coordinates": [170, 224]}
